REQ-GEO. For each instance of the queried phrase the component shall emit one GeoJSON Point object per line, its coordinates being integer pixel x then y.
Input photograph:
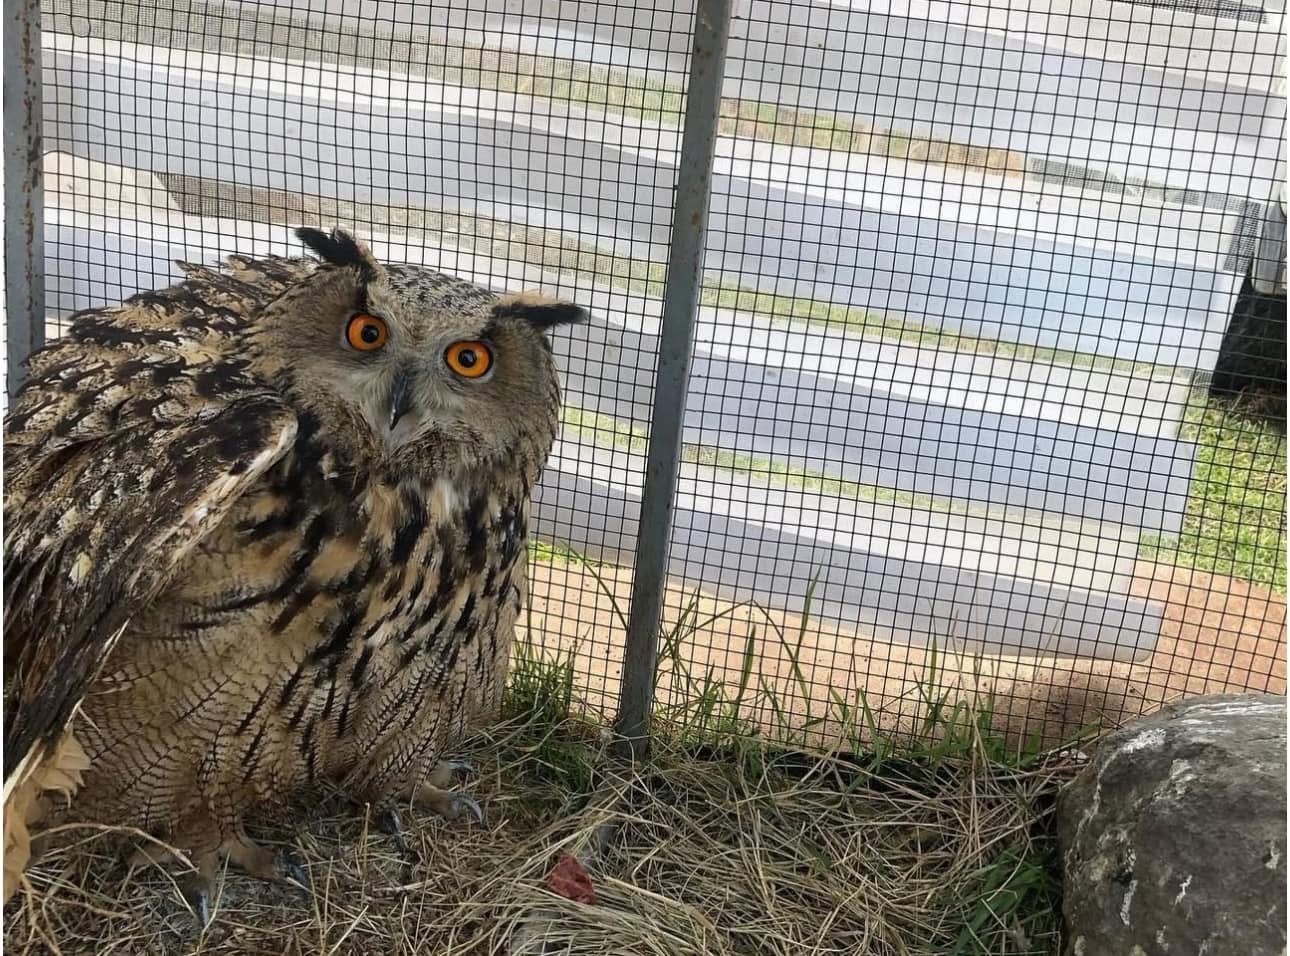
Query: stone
{"type": "Point", "coordinates": [1173, 837]}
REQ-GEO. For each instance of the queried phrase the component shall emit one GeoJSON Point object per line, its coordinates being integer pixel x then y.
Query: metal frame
{"type": "Point", "coordinates": [680, 307]}
{"type": "Point", "coordinates": [24, 229]}
{"type": "Point", "coordinates": [1268, 274]}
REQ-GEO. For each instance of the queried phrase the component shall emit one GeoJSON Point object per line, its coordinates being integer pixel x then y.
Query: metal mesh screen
{"type": "Point", "coordinates": [977, 263]}
{"type": "Point", "coordinates": [986, 392]}
{"type": "Point", "coordinates": [970, 272]}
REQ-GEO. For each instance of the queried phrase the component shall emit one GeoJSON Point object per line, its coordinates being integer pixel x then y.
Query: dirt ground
{"type": "Point", "coordinates": [1220, 635]}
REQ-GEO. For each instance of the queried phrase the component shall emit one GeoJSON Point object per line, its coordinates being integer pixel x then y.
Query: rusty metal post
{"type": "Point", "coordinates": [676, 337]}
{"type": "Point", "coordinates": [24, 221]}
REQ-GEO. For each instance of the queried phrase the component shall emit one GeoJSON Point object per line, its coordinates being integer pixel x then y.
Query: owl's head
{"type": "Point", "coordinates": [412, 366]}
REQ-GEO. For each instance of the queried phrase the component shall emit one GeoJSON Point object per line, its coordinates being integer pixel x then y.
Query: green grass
{"type": "Point", "coordinates": [559, 764]}
{"type": "Point", "coordinates": [1011, 898]}
{"type": "Point", "coordinates": [785, 126]}
{"type": "Point", "coordinates": [785, 475]}
{"type": "Point", "coordinates": [605, 430]}
{"type": "Point", "coordinates": [551, 552]}
{"type": "Point", "coordinates": [610, 432]}
{"type": "Point", "coordinates": [1236, 508]}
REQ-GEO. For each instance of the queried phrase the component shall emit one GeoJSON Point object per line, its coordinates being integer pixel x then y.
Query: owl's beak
{"type": "Point", "coordinates": [400, 398]}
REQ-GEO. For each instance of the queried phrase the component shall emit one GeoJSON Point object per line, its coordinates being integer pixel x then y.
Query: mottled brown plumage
{"type": "Point", "coordinates": [312, 553]}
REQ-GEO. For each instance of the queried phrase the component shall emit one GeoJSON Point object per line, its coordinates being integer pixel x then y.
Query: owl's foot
{"type": "Point", "coordinates": [390, 823]}
{"type": "Point", "coordinates": [432, 793]}
{"type": "Point", "coordinates": [198, 893]}
{"type": "Point", "coordinates": [198, 887]}
{"type": "Point", "coordinates": [449, 805]}
{"type": "Point", "coordinates": [256, 861]}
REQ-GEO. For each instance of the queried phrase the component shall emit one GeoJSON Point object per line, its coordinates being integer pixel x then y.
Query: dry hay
{"type": "Point", "coordinates": [692, 855]}
{"type": "Point", "coordinates": [688, 855]}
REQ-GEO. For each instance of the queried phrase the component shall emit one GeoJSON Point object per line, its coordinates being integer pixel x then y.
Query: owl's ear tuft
{"type": "Point", "coordinates": [341, 248]}
{"type": "Point", "coordinates": [539, 310]}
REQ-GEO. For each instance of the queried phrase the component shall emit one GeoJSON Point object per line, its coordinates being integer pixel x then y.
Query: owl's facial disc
{"type": "Point", "coordinates": [431, 389]}
{"type": "Point", "coordinates": [413, 364]}
{"type": "Point", "coordinates": [419, 396]}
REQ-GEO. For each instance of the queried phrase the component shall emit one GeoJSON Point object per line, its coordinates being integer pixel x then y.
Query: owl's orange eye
{"type": "Point", "coordinates": [469, 359]}
{"type": "Point", "coordinates": [366, 333]}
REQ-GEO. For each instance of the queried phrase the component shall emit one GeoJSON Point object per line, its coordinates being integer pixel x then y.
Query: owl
{"type": "Point", "coordinates": [266, 529]}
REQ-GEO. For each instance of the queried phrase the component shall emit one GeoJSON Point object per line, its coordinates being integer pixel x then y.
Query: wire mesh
{"type": "Point", "coordinates": [982, 400]}
{"type": "Point", "coordinates": [977, 261]}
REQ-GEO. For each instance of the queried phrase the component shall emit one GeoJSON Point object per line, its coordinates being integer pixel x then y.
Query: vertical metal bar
{"type": "Point", "coordinates": [24, 221]}
{"type": "Point", "coordinates": [680, 303]}
{"type": "Point", "coordinates": [1269, 271]}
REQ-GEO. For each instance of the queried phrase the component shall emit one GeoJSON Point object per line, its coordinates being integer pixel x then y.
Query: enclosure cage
{"type": "Point", "coordinates": [916, 327]}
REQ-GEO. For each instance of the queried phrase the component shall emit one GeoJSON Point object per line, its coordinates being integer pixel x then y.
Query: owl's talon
{"type": "Point", "coordinates": [293, 870]}
{"type": "Point", "coordinates": [461, 804]}
{"type": "Point", "coordinates": [464, 767]}
{"type": "Point", "coordinates": [391, 824]}
{"type": "Point", "coordinates": [197, 894]}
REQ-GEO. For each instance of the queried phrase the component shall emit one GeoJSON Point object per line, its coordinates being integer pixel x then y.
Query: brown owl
{"type": "Point", "coordinates": [263, 529]}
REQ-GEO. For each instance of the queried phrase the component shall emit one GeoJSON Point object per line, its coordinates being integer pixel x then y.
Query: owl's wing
{"type": "Point", "coordinates": [102, 537]}
{"type": "Point", "coordinates": [131, 441]}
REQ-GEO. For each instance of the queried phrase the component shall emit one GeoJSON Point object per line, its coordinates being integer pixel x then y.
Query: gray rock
{"type": "Point", "coordinates": [1174, 836]}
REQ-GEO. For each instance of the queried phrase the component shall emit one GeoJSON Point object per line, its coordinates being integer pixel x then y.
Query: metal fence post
{"type": "Point", "coordinates": [680, 304]}
{"type": "Point", "coordinates": [24, 226]}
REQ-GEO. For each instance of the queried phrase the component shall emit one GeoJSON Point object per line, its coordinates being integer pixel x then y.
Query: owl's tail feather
{"type": "Point", "coordinates": [59, 769]}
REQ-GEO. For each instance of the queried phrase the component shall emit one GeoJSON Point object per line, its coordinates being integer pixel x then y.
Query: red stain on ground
{"type": "Point", "coordinates": [571, 880]}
